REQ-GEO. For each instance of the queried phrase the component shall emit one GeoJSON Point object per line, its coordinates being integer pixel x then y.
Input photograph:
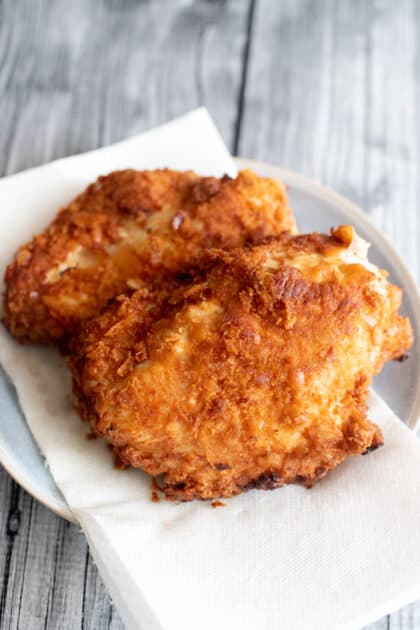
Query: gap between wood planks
{"type": "Point", "coordinates": [244, 77]}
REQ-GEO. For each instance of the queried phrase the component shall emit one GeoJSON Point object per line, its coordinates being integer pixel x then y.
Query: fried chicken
{"type": "Point", "coordinates": [253, 375]}
{"type": "Point", "coordinates": [131, 229]}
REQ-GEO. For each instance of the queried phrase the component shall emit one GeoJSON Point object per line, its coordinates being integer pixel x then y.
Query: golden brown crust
{"type": "Point", "coordinates": [130, 229]}
{"type": "Point", "coordinates": [253, 375]}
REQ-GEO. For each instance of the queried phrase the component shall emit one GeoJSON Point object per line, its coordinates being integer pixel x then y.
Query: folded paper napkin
{"type": "Point", "coordinates": [338, 556]}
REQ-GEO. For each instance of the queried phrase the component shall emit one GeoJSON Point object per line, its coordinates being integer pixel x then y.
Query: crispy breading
{"type": "Point", "coordinates": [254, 375]}
{"type": "Point", "coordinates": [129, 229]}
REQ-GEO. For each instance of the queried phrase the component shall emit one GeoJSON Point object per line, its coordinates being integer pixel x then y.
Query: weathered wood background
{"type": "Point", "coordinates": [325, 87]}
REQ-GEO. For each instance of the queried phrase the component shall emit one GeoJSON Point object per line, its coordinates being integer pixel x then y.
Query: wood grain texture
{"type": "Point", "coordinates": [75, 76]}
{"type": "Point", "coordinates": [325, 87]}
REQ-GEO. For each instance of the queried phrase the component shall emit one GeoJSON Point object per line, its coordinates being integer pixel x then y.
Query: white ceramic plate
{"type": "Point", "coordinates": [316, 209]}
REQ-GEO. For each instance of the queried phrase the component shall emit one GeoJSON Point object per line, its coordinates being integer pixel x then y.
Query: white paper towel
{"type": "Point", "coordinates": [336, 556]}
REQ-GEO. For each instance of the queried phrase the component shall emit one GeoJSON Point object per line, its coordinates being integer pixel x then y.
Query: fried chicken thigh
{"type": "Point", "coordinates": [253, 375]}
{"type": "Point", "coordinates": [129, 229]}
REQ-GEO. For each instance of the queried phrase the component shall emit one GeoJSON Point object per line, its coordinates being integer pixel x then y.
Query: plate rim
{"type": "Point", "coordinates": [60, 507]}
{"type": "Point", "coordinates": [56, 505]}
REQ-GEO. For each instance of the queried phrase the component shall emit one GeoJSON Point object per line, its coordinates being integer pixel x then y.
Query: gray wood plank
{"type": "Point", "coordinates": [75, 76]}
{"type": "Point", "coordinates": [9, 519]}
{"type": "Point", "coordinates": [331, 92]}
{"type": "Point", "coordinates": [407, 618]}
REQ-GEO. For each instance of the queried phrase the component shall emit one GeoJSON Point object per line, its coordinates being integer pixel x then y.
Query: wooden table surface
{"type": "Point", "coordinates": [324, 87]}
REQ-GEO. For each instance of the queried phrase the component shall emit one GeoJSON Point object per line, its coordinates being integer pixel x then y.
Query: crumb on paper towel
{"type": "Point", "coordinates": [118, 463]}
{"type": "Point", "coordinates": [155, 489]}
{"type": "Point", "coordinates": [216, 504]}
